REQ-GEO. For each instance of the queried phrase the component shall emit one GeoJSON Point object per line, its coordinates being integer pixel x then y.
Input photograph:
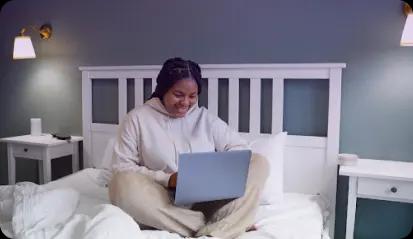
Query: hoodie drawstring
{"type": "Point", "coordinates": [168, 133]}
{"type": "Point", "coordinates": [185, 133]}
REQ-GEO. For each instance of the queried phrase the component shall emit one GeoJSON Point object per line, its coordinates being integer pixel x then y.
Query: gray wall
{"type": "Point", "coordinates": [377, 108]}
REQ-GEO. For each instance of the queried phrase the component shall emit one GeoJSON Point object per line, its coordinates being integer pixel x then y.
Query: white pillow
{"type": "Point", "coordinates": [35, 209]}
{"type": "Point", "coordinates": [106, 162]}
{"type": "Point", "coordinates": [272, 148]}
{"type": "Point", "coordinates": [6, 209]}
{"type": "Point", "coordinates": [105, 174]}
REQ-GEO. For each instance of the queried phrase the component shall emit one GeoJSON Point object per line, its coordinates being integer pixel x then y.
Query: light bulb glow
{"type": "Point", "coordinates": [407, 35]}
{"type": "Point", "coordinates": [23, 48]}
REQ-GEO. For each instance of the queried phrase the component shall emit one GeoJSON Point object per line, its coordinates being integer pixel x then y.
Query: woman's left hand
{"type": "Point", "coordinates": [172, 180]}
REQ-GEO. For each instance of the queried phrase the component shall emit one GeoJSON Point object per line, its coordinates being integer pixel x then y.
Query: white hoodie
{"type": "Point", "coordinates": [150, 140]}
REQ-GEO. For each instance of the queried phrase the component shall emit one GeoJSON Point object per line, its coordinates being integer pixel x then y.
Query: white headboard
{"type": "Point", "coordinates": [310, 162]}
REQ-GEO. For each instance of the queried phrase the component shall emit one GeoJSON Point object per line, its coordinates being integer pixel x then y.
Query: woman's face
{"type": "Point", "coordinates": [181, 97]}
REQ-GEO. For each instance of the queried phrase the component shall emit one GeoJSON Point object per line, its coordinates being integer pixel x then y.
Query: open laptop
{"type": "Point", "coordinates": [211, 176]}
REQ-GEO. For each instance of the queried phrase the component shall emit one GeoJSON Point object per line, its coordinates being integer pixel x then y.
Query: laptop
{"type": "Point", "coordinates": [211, 176]}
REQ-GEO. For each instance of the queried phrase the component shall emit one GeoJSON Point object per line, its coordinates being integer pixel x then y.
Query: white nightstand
{"type": "Point", "coordinates": [43, 148]}
{"type": "Point", "coordinates": [377, 179]}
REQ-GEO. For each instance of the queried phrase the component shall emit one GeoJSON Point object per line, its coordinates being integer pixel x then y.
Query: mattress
{"type": "Point", "coordinates": [298, 216]}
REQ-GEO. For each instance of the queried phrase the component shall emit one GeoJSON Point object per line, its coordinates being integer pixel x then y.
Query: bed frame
{"type": "Point", "coordinates": [310, 164]}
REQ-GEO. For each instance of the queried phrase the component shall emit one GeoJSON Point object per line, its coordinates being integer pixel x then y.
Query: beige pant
{"type": "Point", "coordinates": [149, 203]}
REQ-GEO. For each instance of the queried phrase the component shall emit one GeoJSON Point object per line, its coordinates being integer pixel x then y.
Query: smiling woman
{"type": "Point", "coordinates": [146, 154]}
{"type": "Point", "coordinates": [181, 97]}
{"type": "Point", "coordinates": [178, 86]}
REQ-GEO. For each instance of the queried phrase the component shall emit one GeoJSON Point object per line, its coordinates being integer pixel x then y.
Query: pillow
{"type": "Point", "coordinates": [35, 209]}
{"type": "Point", "coordinates": [272, 148]}
{"type": "Point", "coordinates": [6, 209]}
{"type": "Point", "coordinates": [6, 203]}
{"type": "Point", "coordinates": [106, 162]}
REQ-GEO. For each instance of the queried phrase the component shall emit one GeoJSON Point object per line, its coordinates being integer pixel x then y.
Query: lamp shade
{"type": "Point", "coordinates": [407, 35]}
{"type": "Point", "coordinates": [23, 48]}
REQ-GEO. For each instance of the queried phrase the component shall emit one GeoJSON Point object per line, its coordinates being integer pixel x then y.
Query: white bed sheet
{"type": "Point", "coordinates": [298, 216]}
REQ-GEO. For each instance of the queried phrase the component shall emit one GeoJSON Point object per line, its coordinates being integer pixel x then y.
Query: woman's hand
{"type": "Point", "coordinates": [172, 180]}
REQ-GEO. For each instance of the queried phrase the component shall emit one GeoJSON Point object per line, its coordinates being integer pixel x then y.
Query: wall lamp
{"type": "Point", "coordinates": [407, 35]}
{"type": "Point", "coordinates": [23, 46]}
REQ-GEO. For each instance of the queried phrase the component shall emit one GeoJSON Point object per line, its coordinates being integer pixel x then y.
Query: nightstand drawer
{"type": "Point", "coordinates": [27, 151]}
{"type": "Point", "coordinates": [385, 189]}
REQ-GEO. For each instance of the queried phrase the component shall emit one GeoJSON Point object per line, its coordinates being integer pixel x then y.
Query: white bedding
{"type": "Point", "coordinates": [298, 216]}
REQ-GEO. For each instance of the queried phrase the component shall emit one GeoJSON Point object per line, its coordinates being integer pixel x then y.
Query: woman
{"type": "Point", "coordinates": [145, 159]}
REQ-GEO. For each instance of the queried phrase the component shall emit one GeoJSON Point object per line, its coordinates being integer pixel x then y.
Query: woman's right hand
{"type": "Point", "coordinates": [172, 180]}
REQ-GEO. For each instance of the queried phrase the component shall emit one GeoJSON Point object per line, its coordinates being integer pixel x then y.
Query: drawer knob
{"type": "Point", "coordinates": [393, 190]}
{"type": "Point", "coordinates": [25, 150]}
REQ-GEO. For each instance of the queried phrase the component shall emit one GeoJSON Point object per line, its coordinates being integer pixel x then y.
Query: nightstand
{"type": "Point", "coordinates": [377, 179]}
{"type": "Point", "coordinates": [43, 148]}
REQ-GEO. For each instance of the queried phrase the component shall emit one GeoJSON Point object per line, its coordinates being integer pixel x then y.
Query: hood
{"type": "Point", "coordinates": [156, 104]}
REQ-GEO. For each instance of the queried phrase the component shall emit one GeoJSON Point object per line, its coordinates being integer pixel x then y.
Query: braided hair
{"type": "Point", "coordinates": [173, 70]}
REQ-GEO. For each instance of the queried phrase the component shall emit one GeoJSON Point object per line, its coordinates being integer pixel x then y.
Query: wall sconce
{"type": "Point", "coordinates": [407, 35]}
{"type": "Point", "coordinates": [23, 46]}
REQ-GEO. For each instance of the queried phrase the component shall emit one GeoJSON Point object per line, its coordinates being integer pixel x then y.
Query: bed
{"type": "Point", "coordinates": [308, 206]}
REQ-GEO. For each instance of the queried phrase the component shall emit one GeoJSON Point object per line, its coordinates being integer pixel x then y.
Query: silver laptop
{"type": "Point", "coordinates": [211, 176]}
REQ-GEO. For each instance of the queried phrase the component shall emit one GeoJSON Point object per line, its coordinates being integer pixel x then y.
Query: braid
{"type": "Point", "coordinates": [173, 70]}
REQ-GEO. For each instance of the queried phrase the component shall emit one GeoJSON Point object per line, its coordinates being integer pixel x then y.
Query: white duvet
{"type": "Point", "coordinates": [31, 211]}
{"type": "Point", "coordinates": [77, 207]}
